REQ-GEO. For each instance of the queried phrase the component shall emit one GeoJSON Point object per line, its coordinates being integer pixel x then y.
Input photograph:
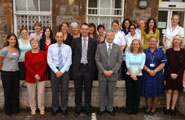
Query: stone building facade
{"type": "Point", "coordinates": [72, 10]}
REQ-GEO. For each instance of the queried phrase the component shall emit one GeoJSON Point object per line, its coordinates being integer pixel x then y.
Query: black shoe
{"type": "Point", "coordinates": [53, 113]}
{"type": "Point", "coordinates": [167, 111]}
{"type": "Point", "coordinates": [173, 113]}
{"type": "Point", "coordinates": [100, 112]}
{"type": "Point", "coordinates": [88, 113]}
{"type": "Point", "coordinates": [64, 112]}
{"type": "Point", "coordinates": [8, 113]}
{"type": "Point", "coordinates": [77, 113]}
{"type": "Point", "coordinates": [134, 113]}
{"type": "Point", "coordinates": [112, 112]}
{"type": "Point", "coordinates": [151, 113]}
{"type": "Point", "coordinates": [146, 112]}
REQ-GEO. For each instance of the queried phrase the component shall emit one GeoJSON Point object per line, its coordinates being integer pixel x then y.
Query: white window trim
{"type": "Point", "coordinates": [98, 11]}
{"type": "Point", "coordinates": [39, 13]}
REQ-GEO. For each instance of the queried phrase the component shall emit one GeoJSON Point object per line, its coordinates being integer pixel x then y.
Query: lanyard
{"type": "Point", "coordinates": [152, 57]}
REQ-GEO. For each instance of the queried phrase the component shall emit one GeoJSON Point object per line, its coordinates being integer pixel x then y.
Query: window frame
{"type": "Point", "coordinates": [98, 15]}
{"type": "Point", "coordinates": [30, 13]}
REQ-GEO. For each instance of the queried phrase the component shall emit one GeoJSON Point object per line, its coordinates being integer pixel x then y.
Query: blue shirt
{"type": "Point", "coordinates": [24, 48]}
{"type": "Point", "coordinates": [52, 57]}
{"type": "Point", "coordinates": [135, 62]}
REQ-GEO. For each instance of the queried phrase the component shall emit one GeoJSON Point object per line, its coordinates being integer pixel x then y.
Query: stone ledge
{"type": "Point", "coordinates": [119, 99]}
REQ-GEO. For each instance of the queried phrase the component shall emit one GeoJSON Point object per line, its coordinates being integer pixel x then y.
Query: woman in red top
{"type": "Point", "coordinates": [45, 42]}
{"type": "Point", "coordinates": [36, 63]}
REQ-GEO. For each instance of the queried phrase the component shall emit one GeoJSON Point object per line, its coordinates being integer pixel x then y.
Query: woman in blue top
{"type": "Point", "coordinates": [153, 85]}
{"type": "Point", "coordinates": [135, 60]}
{"type": "Point", "coordinates": [24, 45]}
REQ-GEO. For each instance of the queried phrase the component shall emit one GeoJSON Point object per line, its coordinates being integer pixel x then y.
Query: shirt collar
{"type": "Point", "coordinates": [59, 45]}
{"type": "Point", "coordinates": [156, 50]}
{"type": "Point", "coordinates": [177, 27]}
{"type": "Point", "coordinates": [85, 38]}
{"type": "Point", "coordinates": [108, 43]}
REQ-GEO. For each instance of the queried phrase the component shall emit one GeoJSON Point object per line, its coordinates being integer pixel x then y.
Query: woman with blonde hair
{"type": "Point", "coordinates": [171, 31]}
{"type": "Point", "coordinates": [36, 63]}
{"type": "Point", "coordinates": [135, 60]}
{"type": "Point", "coordinates": [175, 69]}
{"type": "Point", "coordinates": [75, 30]}
{"type": "Point", "coordinates": [24, 45]}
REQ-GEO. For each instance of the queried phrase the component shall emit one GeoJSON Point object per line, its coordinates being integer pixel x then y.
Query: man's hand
{"type": "Point", "coordinates": [59, 74]}
{"type": "Point", "coordinates": [106, 73]}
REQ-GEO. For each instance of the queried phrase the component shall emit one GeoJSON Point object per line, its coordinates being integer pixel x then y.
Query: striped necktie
{"type": "Point", "coordinates": [60, 61]}
{"type": "Point", "coordinates": [84, 52]}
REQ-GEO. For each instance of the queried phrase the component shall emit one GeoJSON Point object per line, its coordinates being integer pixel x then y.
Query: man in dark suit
{"type": "Point", "coordinates": [108, 60]}
{"type": "Point", "coordinates": [83, 68]}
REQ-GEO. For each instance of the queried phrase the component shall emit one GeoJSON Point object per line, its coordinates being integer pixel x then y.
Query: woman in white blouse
{"type": "Point", "coordinates": [171, 31]}
{"type": "Point", "coordinates": [131, 36]}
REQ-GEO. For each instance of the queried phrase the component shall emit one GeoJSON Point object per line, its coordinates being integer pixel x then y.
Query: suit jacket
{"type": "Point", "coordinates": [77, 53]}
{"type": "Point", "coordinates": [102, 61]}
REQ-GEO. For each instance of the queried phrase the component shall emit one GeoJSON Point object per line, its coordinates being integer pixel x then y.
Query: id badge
{"type": "Point", "coordinates": [152, 65]}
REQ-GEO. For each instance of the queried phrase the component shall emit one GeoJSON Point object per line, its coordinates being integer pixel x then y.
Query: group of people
{"type": "Point", "coordinates": [84, 55]}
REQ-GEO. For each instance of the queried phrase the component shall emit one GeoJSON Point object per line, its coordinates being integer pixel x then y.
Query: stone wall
{"type": "Point", "coordinates": [68, 10]}
{"type": "Point", "coordinates": [119, 99]}
{"type": "Point", "coordinates": [6, 19]}
{"type": "Point", "coordinates": [134, 13]}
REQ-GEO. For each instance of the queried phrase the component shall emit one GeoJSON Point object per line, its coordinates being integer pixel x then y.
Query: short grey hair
{"type": "Point", "coordinates": [34, 40]}
{"type": "Point", "coordinates": [110, 31]}
{"type": "Point", "coordinates": [74, 24]}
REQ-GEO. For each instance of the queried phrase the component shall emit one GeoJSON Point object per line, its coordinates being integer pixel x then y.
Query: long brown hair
{"type": "Point", "coordinates": [7, 43]}
{"type": "Point", "coordinates": [147, 29]}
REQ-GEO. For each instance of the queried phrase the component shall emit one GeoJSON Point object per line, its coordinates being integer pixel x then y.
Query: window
{"type": "Point", "coordinates": [104, 11]}
{"type": "Point", "coordinates": [27, 12]}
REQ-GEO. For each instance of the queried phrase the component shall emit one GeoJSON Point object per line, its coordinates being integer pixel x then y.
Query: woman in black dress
{"type": "Point", "coordinates": [175, 70]}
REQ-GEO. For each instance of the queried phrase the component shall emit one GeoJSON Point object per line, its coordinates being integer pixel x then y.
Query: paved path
{"type": "Point", "coordinates": [25, 115]}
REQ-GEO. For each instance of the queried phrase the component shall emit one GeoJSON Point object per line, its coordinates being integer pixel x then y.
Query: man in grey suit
{"type": "Point", "coordinates": [108, 59]}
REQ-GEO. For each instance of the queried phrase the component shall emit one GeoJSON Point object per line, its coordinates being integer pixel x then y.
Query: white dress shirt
{"type": "Point", "coordinates": [169, 34]}
{"type": "Point", "coordinates": [52, 57]}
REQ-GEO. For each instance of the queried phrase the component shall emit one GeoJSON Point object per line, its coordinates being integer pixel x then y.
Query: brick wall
{"type": "Point", "coordinates": [134, 13]}
{"type": "Point", "coordinates": [67, 10]}
{"type": "Point", "coordinates": [6, 19]}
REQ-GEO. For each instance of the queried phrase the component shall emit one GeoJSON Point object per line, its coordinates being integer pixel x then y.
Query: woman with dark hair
{"type": "Point", "coordinates": [92, 32]}
{"type": "Point", "coordinates": [45, 42]}
{"type": "Point", "coordinates": [37, 34]}
{"type": "Point", "coordinates": [131, 36]}
{"type": "Point", "coordinates": [64, 27]}
{"type": "Point", "coordinates": [125, 26]}
{"type": "Point", "coordinates": [150, 30]}
{"type": "Point", "coordinates": [101, 36]}
{"type": "Point", "coordinates": [9, 56]}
